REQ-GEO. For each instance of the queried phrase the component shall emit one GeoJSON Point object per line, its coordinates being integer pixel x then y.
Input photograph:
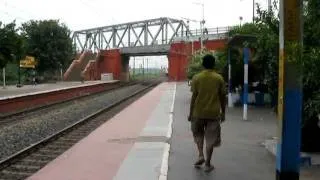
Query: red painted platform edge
{"type": "Point", "coordinates": [59, 95]}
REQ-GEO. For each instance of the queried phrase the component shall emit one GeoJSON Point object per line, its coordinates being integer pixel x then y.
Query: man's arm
{"type": "Point", "coordinates": [193, 100]}
{"type": "Point", "coordinates": [223, 100]}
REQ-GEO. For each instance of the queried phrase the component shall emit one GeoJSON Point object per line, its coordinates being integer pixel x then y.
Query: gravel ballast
{"type": "Point", "coordinates": [34, 128]}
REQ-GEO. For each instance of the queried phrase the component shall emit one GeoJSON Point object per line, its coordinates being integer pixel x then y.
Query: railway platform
{"type": "Point", "coordinates": [151, 140]}
{"type": "Point", "coordinates": [13, 91]}
{"type": "Point", "coordinates": [13, 99]}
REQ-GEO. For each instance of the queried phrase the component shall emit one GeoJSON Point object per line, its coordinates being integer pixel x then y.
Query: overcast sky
{"type": "Point", "coordinates": [83, 14]}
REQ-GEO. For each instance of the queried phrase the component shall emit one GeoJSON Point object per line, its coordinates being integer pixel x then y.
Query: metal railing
{"type": "Point", "coordinates": [208, 33]}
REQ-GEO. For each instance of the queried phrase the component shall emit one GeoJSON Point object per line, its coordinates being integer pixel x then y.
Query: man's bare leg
{"type": "Point", "coordinates": [209, 151]}
{"type": "Point", "coordinates": [199, 142]}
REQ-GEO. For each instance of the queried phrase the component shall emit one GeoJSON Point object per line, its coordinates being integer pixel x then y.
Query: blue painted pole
{"type": "Point", "coordinates": [246, 54]}
{"type": "Point", "coordinates": [230, 103]}
{"type": "Point", "coordinates": [290, 91]}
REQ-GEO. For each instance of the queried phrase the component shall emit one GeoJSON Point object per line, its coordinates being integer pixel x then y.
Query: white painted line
{"type": "Point", "coordinates": [164, 164]}
{"type": "Point", "coordinates": [165, 157]}
{"type": "Point", "coordinates": [174, 97]}
{"type": "Point", "coordinates": [169, 132]}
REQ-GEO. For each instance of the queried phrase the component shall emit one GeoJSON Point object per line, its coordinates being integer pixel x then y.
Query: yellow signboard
{"type": "Point", "coordinates": [28, 62]}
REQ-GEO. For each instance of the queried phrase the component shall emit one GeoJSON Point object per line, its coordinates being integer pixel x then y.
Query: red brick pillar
{"type": "Point", "coordinates": [111, 63]}
{"type": "Point", "coordinates": [178, 57]}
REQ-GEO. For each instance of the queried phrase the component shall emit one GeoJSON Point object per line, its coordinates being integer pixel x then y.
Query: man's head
{"type": "Point", "coordinates": [208, 61]}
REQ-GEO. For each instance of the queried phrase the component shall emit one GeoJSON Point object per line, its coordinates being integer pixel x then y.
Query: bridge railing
{"type": "Point", "coordinates": [148, 43]}
{"type": "Point", "coordinates": [207, 33]}
{"type": "Point", "coordinates": [217, 30]}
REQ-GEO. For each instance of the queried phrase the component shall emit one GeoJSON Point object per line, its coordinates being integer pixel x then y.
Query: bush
{"type": "Point", "coordinates": [195, 64]}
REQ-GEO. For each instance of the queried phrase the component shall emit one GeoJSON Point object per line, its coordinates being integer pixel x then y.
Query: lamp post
{"type": "Point", "coordinates": [192, 43]}
{"type": "Point", "coordinates": [61, 74]}
{"type": "Point", "coordinates": [4, 77]}
{"type": "Point", "coordinates": [201, 23]}
{"type": "Point", "coordinates": [240, 18]}
{"type": "Point", "coordinates": [253, 9]}
{"type": "Point", "coordinates": [269, 5]}
{"type": "Point", "coordinates": [134, 66]}
{"type": "Point", "coordinates": [19, 74]}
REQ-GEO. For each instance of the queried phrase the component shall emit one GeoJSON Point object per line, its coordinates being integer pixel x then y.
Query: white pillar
{"type": "Point", "coordinates": [4, 77]}
{"type": "Point", "coordinates": [230, 103]}
{"type": "Point", "coordinates": [245, 89]}
{"type": "Point", "coordinates": [61, 76]}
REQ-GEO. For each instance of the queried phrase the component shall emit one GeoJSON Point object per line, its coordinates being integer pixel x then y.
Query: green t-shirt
{"type": "Point", "coordinates": [208, 86]}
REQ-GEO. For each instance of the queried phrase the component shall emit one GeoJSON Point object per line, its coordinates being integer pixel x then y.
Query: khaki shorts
{"type": "Point", "coordinates": [209, 129]}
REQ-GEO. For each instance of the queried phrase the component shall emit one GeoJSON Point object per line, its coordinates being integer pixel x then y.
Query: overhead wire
{"type": "Point", "coordinates": [7, 5]}
{"type": "Point", "coordinates": [98, 14]}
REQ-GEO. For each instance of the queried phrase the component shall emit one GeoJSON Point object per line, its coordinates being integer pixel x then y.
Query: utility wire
{"type": "Point", "coordinates": [86, 4]}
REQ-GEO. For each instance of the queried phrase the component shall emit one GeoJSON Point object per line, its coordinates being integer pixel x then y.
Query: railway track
{"type": "Point", "coordinates": [29, 160]}
{"type": "Point", "coordinates": [7, 118]}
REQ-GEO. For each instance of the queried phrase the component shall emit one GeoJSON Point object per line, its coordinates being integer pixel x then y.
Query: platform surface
{"type": "Point", "coordinates": [135, 145]}
{"type": "Point", "coordinates": [242, 154]}
{"type": "Point", "coordinates": [128, 146]}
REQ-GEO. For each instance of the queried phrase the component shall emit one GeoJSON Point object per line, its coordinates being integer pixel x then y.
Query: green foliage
{"type": "Point", "coordinates": [195, 65]}
{"type": "Point", "coordinates": [311, 23]}
{"type": "Point", "coordinates": [11, 44]}
{"type": "Point", "coordinates": [12, 74]}
{"type": "Point", "coordinates": [263, 66]}
{"type": "Point", "coordinates": [311, 62]}
{"type": "Point", "coordinates": [266, 54]}
{"type": "Point", "coordinates": [311, 83]}
{"type": "Point", "coordinates": [49, 42]}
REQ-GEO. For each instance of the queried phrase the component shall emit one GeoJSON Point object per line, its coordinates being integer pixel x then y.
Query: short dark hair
{"type": "Point", "coordinates": [208, 61]}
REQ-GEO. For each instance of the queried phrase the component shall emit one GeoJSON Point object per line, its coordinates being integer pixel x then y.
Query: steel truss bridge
{"type": "Point", "coordinates": [141, 36]}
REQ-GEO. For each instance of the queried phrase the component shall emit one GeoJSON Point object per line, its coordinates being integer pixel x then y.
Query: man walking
{"type": "Point", "coordinates": [207, 110]}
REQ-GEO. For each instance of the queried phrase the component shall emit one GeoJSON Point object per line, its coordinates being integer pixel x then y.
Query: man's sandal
{"type": "Point", "coordinates": [199, 163]}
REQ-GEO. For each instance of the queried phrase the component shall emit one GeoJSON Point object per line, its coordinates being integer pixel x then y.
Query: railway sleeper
{"type": "Point", "coordinates": [32, 162]}
{"type": "Point", "coordinates": [58, 146]}
{"type": "Point", "coordinates": [76, 136]}
{"type": "Point", "coordinates": [8, 174]}
{"type": "Point", "coordinates": [49, 151]}
{"type": "Point", "coordinates": [42, 157]}
{"type": "Point", "coordinates": [23, 168]}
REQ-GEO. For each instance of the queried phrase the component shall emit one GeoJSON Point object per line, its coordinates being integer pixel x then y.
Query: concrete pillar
{"type": "Point", "coordinates": [290, 91]}
{"type": "Point", "coordinates": [125, 68]}
{"type": "Point", "coordinates": [230, 103]}
{"type": "Point", "coordinates": [246, 54]}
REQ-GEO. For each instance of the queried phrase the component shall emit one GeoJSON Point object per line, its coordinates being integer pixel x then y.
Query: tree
{"type": "Point", "coordinates": [266, 56]}
{"type": "Point", "coordinates": [11, 44]}
{"type": "Point", "coordinates": [49, 42]}
{"type": "Point", "coordinates": [195, 65]}
{"type": "Point", "coordinates": [264, 64]}
{"type": "Point", "coordinates": [311, 23]}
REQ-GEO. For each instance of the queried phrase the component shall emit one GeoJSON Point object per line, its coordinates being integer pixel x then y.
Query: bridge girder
{"type": "Point", "coordinates": [160, 31]}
